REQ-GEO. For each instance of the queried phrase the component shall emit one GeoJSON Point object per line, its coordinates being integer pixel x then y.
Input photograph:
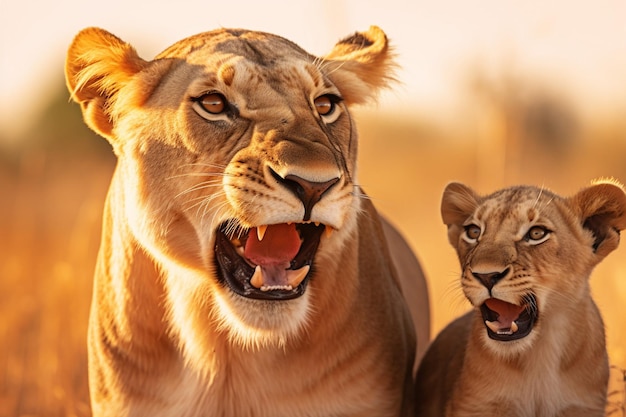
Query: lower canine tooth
{"type": "Point", "coordinates": [493, 326]}
{"type": "Point", "coordinates": [514, 327]}
{"type": "Point", "coordinates": [294, 278]}
{"type": "Point", "coordinates": [257, 279]}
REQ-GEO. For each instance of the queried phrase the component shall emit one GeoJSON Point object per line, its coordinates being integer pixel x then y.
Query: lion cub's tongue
{"type": "Point", "coordinates": [273, 255]}
{"type": "Point", "coordinates": [507, 312]}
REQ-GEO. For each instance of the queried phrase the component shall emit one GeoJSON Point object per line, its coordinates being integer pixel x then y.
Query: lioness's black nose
{"type": "Point", "coordinates": [490, 279]}
{"type": "Point", "coordinates": [307, 191]}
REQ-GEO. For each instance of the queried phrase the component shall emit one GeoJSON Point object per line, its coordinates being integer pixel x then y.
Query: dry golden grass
{"type": "Point", "coordinates": [49, 222]}
{"type": "Point", "coordinates": [50, 226]}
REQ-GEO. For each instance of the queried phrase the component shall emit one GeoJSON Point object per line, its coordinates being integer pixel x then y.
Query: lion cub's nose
{"type": "Point", "coordinates": [307, 191]}
{"type": "Point", "coordinates": [490, 279]}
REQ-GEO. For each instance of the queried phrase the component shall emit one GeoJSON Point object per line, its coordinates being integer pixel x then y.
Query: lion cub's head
{"type": "Point", "coordinates": [237, 163]}
{"type": "Point", "coordinates": [526, 254]}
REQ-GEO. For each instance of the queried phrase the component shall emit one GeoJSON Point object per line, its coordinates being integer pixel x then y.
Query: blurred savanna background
{"type": "Point", "coordinates": [490, 93]}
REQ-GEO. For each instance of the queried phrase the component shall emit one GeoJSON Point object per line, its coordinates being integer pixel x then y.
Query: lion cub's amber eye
{"type": "Point", "coordinates": [537, 233]}
{"type": "Point", "coordinates": [213, 103]}
{"type": "Point", "coordinates": [472, 232]}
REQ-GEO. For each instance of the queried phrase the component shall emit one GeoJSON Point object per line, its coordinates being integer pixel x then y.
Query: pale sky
{"type": "Point", "coordinates": [580, 44]}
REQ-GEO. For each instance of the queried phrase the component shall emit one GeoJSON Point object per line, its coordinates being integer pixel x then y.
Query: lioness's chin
{"type": "Point", "coordinates": [264, 273]}
{"type": "Point", "coordinates": [254, 323]}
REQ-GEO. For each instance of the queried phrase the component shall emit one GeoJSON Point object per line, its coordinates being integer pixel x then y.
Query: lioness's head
{"type": "Point", "coordinates": [526, 254]}
{"type": "Point", "coordinates": [237, 162]}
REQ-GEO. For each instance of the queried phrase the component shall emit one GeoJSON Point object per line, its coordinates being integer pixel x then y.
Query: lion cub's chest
{"type": "Point", "coordinates": [537, 388]}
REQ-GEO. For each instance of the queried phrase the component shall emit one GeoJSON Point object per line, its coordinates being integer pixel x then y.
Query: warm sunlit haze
{"type": "Point", "coordinates": [489, 93]}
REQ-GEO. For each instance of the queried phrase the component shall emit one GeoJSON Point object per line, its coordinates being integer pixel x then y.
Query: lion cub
{"type": "Point", "coordinates": [534, 344]}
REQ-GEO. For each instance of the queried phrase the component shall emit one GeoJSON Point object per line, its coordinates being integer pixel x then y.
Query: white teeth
{"type": "Point", "coordinates": [260, 232]}
{"type": "Point", "coordinates": [294, 278]}
{"type": "Point", "coordinates": [493, 326]}
{"type": "Point", "coordinates": [276, 287]}
{"type": "Point", "coordinates": [257, 279]}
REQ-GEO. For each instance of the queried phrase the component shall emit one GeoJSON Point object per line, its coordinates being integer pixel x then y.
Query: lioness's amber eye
{"type": "Point", "coordinates": [472, 231]}
{"type": "Point", "coordinates": [537, 233]}
{"type": "Point", "coordinates": [324, 105]}
{"type": "Point", "coordinates": [213, 103]}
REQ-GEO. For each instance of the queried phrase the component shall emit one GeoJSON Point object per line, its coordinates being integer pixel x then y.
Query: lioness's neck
{"type": "Point", "coordinates": [127, 279]}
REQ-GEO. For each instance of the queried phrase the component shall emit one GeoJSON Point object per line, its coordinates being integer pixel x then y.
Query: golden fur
{"type": "Point", "coordinates": [530, 248]}
{"type": "Point", "coordinates": [222, 134]}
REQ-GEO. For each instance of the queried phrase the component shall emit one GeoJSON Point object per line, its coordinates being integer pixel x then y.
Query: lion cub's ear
{"type": "Point", "coordinates": [98, 64]}
{"type": "Point", "coordinates": [457, 204]}
{"type": "Point", "coordinates": [360, 65]}
{"type": "Point", "coordinates": [602, 210]}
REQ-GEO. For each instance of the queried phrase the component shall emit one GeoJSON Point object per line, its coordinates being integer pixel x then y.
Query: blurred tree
{"type": "Point", "coordinates": [522, 124]}
{"type": "Point", "coordinates": [58, 131]}
{"type": "Point", "coordinates": [60, 128]}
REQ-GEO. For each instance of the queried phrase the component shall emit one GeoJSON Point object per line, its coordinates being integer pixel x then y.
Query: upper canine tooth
{"type": "Point", "coordinates": [260, 231]}
{"type": "Point", "coordinates": [328, 231]}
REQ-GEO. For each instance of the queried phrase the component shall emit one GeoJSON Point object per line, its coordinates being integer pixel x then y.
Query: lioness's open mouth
{"type": "Point", "coordinates": [271, 262]}
{"type": "Point", "coordinates": [505, 321]}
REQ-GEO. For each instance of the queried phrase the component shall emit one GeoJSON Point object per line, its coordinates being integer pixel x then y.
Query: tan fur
{"type": "Point", "coordinates": [560, 368]}
{"type": "Point", "coordinates": [167, 336]}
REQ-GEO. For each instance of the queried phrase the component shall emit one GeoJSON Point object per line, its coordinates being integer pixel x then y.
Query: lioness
{"type": "Point", "coordinates": [242, 271]}
{"type": "Point", "coordinates": [534, 343]}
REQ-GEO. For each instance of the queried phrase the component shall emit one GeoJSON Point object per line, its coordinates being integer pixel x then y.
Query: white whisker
{"type": "Point", "coordinates": [200, 186]}
{"type": "Point", "coordinates": [206, 165]}
{"type": "Point", "coordinates": [197, 174]}
{"type": "Point", "coordinates": [453, 294]}
{"type": "Point", "coordinates": [538, 197]}
{"type": "Point", "coordinates": [359, 194]}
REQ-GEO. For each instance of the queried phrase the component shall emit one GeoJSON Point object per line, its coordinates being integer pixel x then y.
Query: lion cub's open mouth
{"type": "Point", "coordinates": [271, 262]}
{"type": "Point", "coordinates": [505, 321]}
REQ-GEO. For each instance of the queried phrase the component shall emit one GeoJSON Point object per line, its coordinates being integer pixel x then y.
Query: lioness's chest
{"type": "Point", "coordinates": [289, 389]}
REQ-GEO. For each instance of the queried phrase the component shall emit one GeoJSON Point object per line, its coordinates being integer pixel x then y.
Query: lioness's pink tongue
{"type": "Point", "coordinates": [507, 312]}
{"type": "Point", "coordinates": [279, 246]}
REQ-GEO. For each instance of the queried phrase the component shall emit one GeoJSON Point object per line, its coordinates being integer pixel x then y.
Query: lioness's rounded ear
{"type": "Point", "coordinates": [602, 210]}
{"type": "Point", "coordinates": [98, 64]}
{"type": "Point", "coordinates": [360, 65]}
